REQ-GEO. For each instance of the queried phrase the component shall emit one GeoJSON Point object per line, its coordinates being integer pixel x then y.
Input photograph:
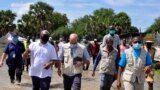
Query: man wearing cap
{"type": "Point", "coordinates": [14, 51]}
{"type": "Point", "coordinates": [134, 64]}
{"type": "Point", "coordinates": [150, 76]}
{"type": "Point", "coordinates": [43, 56]}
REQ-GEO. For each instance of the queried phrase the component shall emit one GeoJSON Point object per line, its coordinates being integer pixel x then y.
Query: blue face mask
{"type": "Point", "coordinates": [112, 32]}
{"type": "Point", "coordinates": [136, 46]}
{"type": "Point", "coordinates": [15, 39]}
{"type": "Point", "coordinates": [73, 45]}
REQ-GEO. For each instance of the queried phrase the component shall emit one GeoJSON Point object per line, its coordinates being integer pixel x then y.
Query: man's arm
{"type": "Point", "coordinates": [122, 65]}
{"type": "Point", "coordinates": [104, 40]}
{"type": "Point", "coordinates": [4, 55]}
{"type": "Point", "coordinates": [120, 70]}
{"type": "Point", "coordinates": [97, 60]}
{"type": "Point", "coordinates": [86, 56]}
{"type": "Point", "coordinates": [25, 54]}
{"type": "Point", "coordinates": [149, 63]}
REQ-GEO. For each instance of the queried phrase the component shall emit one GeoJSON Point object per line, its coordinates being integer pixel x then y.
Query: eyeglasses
{"type": "Point", "coordinates": [137, 42]}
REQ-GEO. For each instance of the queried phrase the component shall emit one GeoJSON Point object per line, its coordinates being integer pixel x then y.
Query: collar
{"type": "Point", "coordinates": [39, 42]}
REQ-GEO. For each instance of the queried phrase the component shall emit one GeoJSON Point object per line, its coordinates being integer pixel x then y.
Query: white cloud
{"type": "Point", "coordinates": [119, 2]}
{"type": "Point", "coordinates": [20, 8]}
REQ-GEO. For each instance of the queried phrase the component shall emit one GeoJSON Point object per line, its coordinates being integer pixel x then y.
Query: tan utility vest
{"type": "Point", "coordinates": [69, 68]}
{"type": "Point", "coordinates": [108, 62]}
{"type": "Point", "coordinates": [134, 68]}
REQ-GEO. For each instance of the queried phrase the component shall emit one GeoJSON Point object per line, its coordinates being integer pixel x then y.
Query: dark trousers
{"type": "Point", "coordinates": [15, 70]}
{"type": "Point", "coordinates": [41, 83]}
{"type": "Point", "coordinates": [94, 57]}
{"type": "Point", "coordinates": [72, 82]}
{"type": "Point", "coordinates": [106, 81]}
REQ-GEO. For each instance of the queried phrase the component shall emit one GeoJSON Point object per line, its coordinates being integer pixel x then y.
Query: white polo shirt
{"type": "Point", "coordinates": [40, 55]}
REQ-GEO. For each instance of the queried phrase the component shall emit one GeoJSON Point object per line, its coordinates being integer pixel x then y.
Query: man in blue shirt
{"type": "Point", "coordinates": [134, 64]}
{"type": "Point", "coordinates": [14, 50]}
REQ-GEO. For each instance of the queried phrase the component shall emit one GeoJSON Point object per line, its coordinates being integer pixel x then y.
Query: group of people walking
{"type": "Point", "coordinates": [132, 65]}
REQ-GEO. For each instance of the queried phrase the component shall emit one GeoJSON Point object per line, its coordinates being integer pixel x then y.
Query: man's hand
{"type": "Point", "coordinates": [93, 73]}
{"type": "Point", "coordinates": [118, 84]}
{"type": "Point", "coordinates": [78, 64]}
{"type": "Point", "coordinates": [147, 69]}
{"type": "Point", "coordinates": [47, 66]}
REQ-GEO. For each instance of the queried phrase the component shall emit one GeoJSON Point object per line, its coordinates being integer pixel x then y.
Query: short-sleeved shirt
{"type": "Point", "coordinates": [136, 53]}
{"type": "Point", "coordinates": [41, 54]}
{"type": "Point", "coordinates": [116, 40]}
{"type": "Point", "coordinates": [14, 52]}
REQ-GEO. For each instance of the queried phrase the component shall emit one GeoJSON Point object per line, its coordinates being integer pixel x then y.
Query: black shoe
{"type": "Point", "coordinates": [12, 81]}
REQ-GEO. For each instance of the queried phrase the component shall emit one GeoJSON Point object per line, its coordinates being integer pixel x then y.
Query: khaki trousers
{"type": "Point", "coordinates": [133, 86]}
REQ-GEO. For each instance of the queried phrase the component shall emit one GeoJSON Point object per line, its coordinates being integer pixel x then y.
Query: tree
{"type": "Point", "coordinates": [62, 32]}
{"type": "Point", "coordinates": [133, 29]}
{"type": "Point", "coordinates": [6, 21]}
{"type": "Point", "coordinates": [41, 16]}
{"type": "Point", "coordinates": [94, 26]}
{"type": "Point", "coordinates": [123, 21]}
{"type": "Point", "coordinates": [155, 27]}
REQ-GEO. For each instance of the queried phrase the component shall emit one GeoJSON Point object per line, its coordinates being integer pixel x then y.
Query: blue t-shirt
{"type": "Point", "coordinates": [14, 53]}
{"type": "Point", "coordinates": [136, 53]}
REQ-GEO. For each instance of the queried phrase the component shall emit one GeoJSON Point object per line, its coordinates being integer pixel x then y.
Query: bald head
{"type": "Point", "coordinates": [73, 38]}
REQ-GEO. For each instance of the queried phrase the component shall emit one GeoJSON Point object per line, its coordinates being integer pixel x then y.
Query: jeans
{"type": "Point", "coordinates": [106, 81]}
{"type": "Point", "coordinates": [72, 82]}
{"type": "Point", "coordinates": [41, 83]}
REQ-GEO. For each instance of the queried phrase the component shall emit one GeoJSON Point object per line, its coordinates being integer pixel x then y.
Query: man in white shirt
{"type": "Point", "coordinates": [43, 56]}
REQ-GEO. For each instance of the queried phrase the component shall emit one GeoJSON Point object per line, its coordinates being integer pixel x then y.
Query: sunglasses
{"type": "Point", "coordinates": [137, 42]}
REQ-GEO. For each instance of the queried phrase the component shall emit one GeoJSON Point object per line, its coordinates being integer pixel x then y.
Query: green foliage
{"type": "Point", "coordinates": [155, 27]}
{"type": "Point", "coordinates": [123, 21]}
{"type": "Point", "coordinates": [96, 25]}
{"type": "Point", "coordinates": [133, 29]}
{"type": "Point", "coordinates": [41, 16]}
{"type": "Point", "coordinates": [6, 21]}
{"type": "Point", "coordinates": [61, 32]}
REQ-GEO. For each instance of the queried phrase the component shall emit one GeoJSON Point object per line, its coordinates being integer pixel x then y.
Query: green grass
{"type": "Point", "coordinates": [157, 72]}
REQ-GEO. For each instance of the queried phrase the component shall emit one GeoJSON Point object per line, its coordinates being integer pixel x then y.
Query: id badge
{"type": "Point", "coordinates": [14, 55]}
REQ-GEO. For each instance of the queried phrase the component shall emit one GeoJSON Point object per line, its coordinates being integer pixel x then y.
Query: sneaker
{"type": "Point", "coordinates": [18, 83]}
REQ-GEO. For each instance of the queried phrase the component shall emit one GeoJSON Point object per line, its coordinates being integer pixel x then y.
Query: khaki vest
{"type": "Point", "coordinates": [69, 68]}
{"type": "Point", "coordinates": [134, 68]}
{"type": "Point", "coordinates": [108, 62]}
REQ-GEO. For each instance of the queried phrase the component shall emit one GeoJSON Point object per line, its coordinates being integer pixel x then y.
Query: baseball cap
{"type": "Point", "coordinates": [14, 34]}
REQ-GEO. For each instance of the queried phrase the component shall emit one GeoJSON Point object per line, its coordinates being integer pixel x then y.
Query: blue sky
{"type": "Point", "coordinates": [142, 12]}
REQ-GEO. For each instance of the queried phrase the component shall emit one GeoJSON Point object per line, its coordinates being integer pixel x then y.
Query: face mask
{"type": "Point", "coordinates": [112, 32]}
{"type": "Point", "coordinates": [136, 46]}
{"type": "Point", "coordinates": [45, 38]}
{"type": "Point", "coordinates": [73, 45]}
{"type": "Point", "coordinates": [15, 39]}
{"type": "Point", "coordinates": [149, 45]}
